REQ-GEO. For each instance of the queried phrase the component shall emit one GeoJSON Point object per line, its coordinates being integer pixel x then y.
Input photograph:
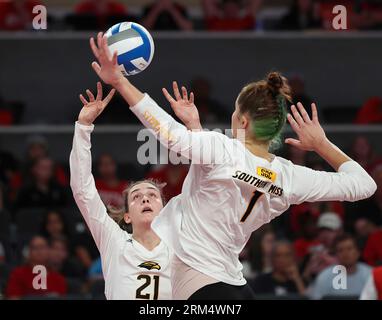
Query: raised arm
{"type": "Point", "coordinates": [350, 183]}
{"type": "Point", "coordinates": [102, 227]}
{"type": "Point", "coordinates": [172, 134]}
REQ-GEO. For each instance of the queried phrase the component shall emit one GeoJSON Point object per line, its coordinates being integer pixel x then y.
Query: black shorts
{"type": "Point", "coordinates": [223, 291]}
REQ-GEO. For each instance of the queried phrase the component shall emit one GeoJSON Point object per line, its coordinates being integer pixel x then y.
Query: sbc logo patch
{"type": "Point", "coordinates": [266, 173]}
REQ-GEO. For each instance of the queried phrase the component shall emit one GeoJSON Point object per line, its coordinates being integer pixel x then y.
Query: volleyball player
{"type": "Point", "coordinates": [137, 265]}
{"type": "Point", "coordinates": [242, 187]}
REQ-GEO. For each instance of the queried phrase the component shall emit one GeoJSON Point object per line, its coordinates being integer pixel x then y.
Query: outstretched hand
{"type": "Point", "coordinates": [184, 106]}
{"type": "Point", "coordinates": [309, 131]}
{"type": "Point", "coordinates": [107, 67]}
{"type": "Point", "coordinates": [94, 107]}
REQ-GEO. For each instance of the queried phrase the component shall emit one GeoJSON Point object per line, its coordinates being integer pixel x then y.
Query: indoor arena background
{"type": "Point", "coordinates": [42, 72]}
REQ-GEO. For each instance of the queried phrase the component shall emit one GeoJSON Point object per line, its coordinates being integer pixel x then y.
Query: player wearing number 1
{"type": "Point", "coordinates": [241, 185]}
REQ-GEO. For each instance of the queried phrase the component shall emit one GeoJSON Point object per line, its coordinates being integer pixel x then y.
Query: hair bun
{"type": "Point", "coordinates": [275, 82]}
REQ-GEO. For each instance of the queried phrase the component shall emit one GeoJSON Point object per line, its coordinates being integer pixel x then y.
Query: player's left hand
{"type": "Point", "coordinates": [184, 107]}
{"type": "Point", "coordinates": [94, 107]}
{"type": "Point", "coordinates": [107, 66]}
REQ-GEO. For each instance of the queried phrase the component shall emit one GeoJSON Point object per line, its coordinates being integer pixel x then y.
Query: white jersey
{"type": "Point", "coordinates": [130, 270]}
{"type": "Point", "coordinates": [224, 201]}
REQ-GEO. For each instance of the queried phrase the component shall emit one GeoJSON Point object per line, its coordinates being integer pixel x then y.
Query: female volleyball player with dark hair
{"type": "Point", "coordinates": [242, 185]}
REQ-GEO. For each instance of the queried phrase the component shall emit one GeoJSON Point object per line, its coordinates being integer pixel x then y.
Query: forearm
{"type": "Point", "coordinates": [131, 94]}
{"type": "Point", "coordinates": [332, 154]}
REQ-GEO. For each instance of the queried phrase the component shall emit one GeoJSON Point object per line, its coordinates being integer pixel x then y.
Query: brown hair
{"type": "Point", "coordinates": [117, 214]}
{"type": "Point", "coordinates": [266, 102]}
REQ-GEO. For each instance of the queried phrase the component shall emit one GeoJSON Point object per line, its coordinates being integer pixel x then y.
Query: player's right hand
{"type": "Point", "coordinates": [184, 107]}
{"type": "Point", "coordinates": [107, 66]}
{"type": "Point", "coordinates": [309, 131]}
{"type": "Point", "coordinates": [94, 107]}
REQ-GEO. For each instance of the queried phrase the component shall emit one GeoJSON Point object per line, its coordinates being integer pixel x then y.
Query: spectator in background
{"type": "Point", "coordinates": [321, 255]}
{"type": "Point", "coordinates": [373, 288]}
{"type": "Point", "coordinates": [10, 112]}
{"type": "Point", "coordinates": [43, 191]}
{"type": "Point", "coordinates": [60, 260]}
{"type": "Point", "coordinates": [210, 110]}
{"type": "Point", "coordinates": [95, 270]}
{"type": "Point", "coordinates": [173, 174]}
{"type": "Point", "coordinates": [17, 14]}
{"type": "Point", "coordinates": [285, 277]}
{"type": "Point", "coordinates": [37, 147]}
{"type": "Point", "coordinates": [98, 14]}
{"type": "Point", "coordinates": [357, 273]}
{"type": "Point", "coordinates": [307, 235]}
{"type": "Point", "coordinates": [372, 253]}
{"type": "Point", "coordinates": [108, 184]}
{"type": "Point", "coordinates": [362, 152]}
{"type": "Point", "coordinates": [368, 15]}
{"type": "Point", "coordinates": [166, 15]}
{"type": "Point", "coordinates": [302, 15]}
{"type": "Point", "coordinates": [54, 226]}
{"type": "Point", "coordinates": [20, 283]}
{"type": "Point", "coordinates": [260, 251]}
{"type": "Point", "coordinates": [370, 112]}
{"type": "Point", "coordinates": [364, 227]}
{"type": "Point", "coordinates": [230, 15]}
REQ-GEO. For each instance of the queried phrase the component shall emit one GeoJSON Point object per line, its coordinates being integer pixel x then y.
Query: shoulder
{"type": "Point", "coordinates": [327, 273]}
{"type": "Point", "coordinates": [364, 268]}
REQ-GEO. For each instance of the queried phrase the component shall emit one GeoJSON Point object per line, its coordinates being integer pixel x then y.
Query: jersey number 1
{"type": "Point", "coordinates": [252, 202]}
{"type": "Point", "coordinates": [147, 279]}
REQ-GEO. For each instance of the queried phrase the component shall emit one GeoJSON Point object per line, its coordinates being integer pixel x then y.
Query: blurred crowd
{"type": "Point", "coordinates": [213, 111]}
{"type": "Point", "coordinates": [292, 256]}
{"type": "Point", "coordinates": [210, 15]}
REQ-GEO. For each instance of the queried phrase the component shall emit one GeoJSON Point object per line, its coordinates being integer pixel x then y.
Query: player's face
{"type": "Point", "coordinates": [145, 203]}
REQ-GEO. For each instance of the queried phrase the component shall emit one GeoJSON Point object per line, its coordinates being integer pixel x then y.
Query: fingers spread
{"type": "Point", "coordinates": [297, 116]}
{"type": "Point", "coordinates": [99, 91]}
{"type": "Point", "coordinates": [115, 58]}
{"type": "Point", "coordinates": [109, 97]}
{"type": "Point", "coordinates": [83, 100]}
{"type": "Point", "coordinates": [96, 67]}
{"type": "Point", "coordinates": [168, 96]}
{"type": "Point", "coordinates": [176, 91]}
{"type": "Point", "coordinates": [192, 97]}
{"type": "Point", "coordinates": [303, 112]}
{"type": "Point", "coordinates": [90, 95]}
{"type": "Point", "coordinates": [293, 142]}
{"type": "Point", "coordinates": [293, 123]}
{"type": "Point", "coordinates": [314, 113]}
{"type": "Point", "coordinates": [94, 47]}
{"type": "Point", "coordinates": [105, 48]}
{"type": "Point", "coordinates": [185, 94]}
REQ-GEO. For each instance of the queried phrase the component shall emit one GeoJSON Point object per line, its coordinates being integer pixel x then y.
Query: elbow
{"type": "Point", "coordinates": [365, 189]}
{"type": "Point", "coordinates": [371, 187]}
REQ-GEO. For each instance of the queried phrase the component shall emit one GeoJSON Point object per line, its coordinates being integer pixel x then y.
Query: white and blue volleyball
{"type": "Point", "coordinates": [134, 46]}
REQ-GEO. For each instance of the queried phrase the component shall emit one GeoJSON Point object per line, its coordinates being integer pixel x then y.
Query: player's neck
{"type": "Point", "coordinates": [259, 149]}
{"type": "Point", "coordinates": [146, 238]}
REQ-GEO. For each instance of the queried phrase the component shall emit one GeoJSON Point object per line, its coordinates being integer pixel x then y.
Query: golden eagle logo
{"type": "Point", "coordinates": [150, 265]}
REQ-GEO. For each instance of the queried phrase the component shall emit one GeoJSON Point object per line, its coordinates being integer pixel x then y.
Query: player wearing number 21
{"type": "Point", "coordinates": [137, 265]}
{"type": "Point", "coordinates": [241, 186]}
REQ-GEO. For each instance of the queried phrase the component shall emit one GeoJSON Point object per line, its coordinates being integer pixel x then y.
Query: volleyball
{"type": "Point", "coordinates": [134, 46]}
